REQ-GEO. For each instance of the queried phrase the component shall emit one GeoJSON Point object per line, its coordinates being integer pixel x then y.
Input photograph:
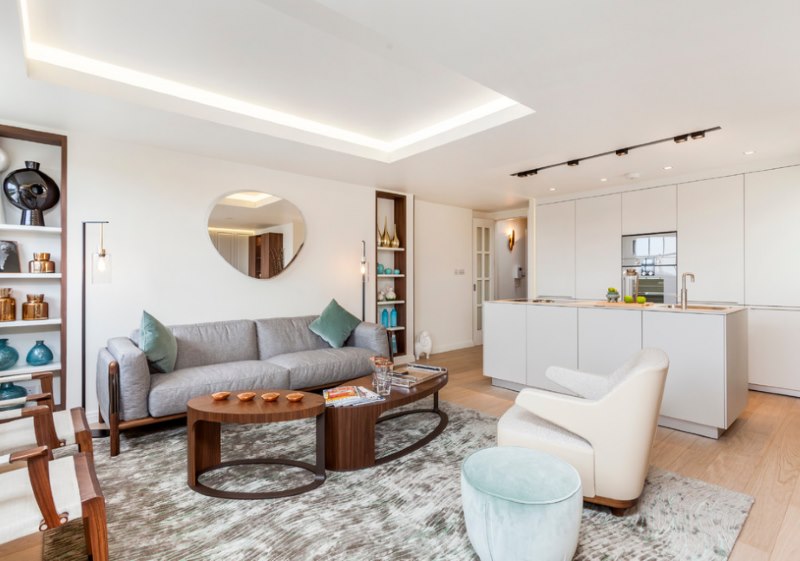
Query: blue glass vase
{"type": "Point", "coordinates": [8, 355]}
{"type": "Point", "coordinates": [39, 355]}
{"type": "Point", "coordinates": [393, 318]}
{"type": "Point", "coordinates": [385, 318]}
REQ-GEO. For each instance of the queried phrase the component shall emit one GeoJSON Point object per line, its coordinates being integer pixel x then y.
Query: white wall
{"type": "Point", "coordinates": [443, 244]}
{"type": "Point", "coordinates": [504, 260]}
{"type": "Point", "coordinates": [157, 202]}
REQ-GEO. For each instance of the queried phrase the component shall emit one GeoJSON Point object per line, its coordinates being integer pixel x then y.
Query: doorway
{"type": "Point", "coordinates": [511, 258]}
{"type": "Point", "coordinates": [482, 267]}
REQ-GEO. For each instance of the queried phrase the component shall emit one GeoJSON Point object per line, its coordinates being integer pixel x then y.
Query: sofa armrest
{"type": "Point", "coordinates": [370, 336]}
{"type": "Point", "coordinates": [134, 379]}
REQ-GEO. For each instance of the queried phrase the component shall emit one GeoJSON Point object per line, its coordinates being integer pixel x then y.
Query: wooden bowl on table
{"type": "Point", "coordinates": [294, 397]}
{"type": "Point", "coordinates": [220, 396]}
{"type": "Point", "coordinates": [270, 396]}
{"type": "Point", "coordinates": [246, 396]}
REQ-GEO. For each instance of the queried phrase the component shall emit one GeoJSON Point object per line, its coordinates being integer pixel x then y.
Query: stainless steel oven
{"type": "Point", "coordinates": [655, 258]}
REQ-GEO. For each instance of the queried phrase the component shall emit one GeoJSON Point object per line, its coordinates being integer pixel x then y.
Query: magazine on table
{"type": "Point", "coordinates": [346, 396]}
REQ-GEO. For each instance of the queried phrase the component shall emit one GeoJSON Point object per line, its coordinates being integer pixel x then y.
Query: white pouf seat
{"type": "Point", "coordinates": [521, 504]}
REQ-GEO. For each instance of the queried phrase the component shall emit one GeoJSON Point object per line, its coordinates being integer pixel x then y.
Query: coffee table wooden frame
{"type": "Point", "coordinates": [350, 431]}
{"type": "Point", "coordinates": [205, 416]}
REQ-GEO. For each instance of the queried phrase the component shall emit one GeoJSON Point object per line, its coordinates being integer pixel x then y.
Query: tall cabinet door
{"type": "Point", "coordinates": [649, 210]}
{"type": "Point", "coordinates": [711, 238]}
{"type": "Point", "coordinates": [598, 246]}
{"type": "Point", "coordinates": [555, 249]}
{"type": "Point", "coordinates": [772, 236]}
{"type": "Point", "coordinates": [552, 341]}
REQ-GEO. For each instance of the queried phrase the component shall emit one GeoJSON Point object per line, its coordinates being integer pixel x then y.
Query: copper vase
{"type": "Point", "coordinates": [8, 305]}
{"type": "Point", "coordinates": [41, 264]}
{"type": "Point", "coordinates": [35, 307]}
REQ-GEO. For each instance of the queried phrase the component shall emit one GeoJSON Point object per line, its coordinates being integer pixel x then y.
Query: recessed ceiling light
{"type": "Point", "coordinates": [667, 168]}
{"type": "Point", "coordinates": [552, 188]}
{"type": "Point", "coordinates": [603, 179]}
{"type": "Point", "coordinates": [749, 152]}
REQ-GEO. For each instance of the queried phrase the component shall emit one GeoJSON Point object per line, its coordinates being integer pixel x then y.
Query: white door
{"type": "Point", "coordinates": [482, 265]}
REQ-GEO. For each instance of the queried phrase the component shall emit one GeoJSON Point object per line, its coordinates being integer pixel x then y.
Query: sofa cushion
{"type": "Point", "coordinates": [335, 324]}
{"type": "Point", "coordinates": [158, 344]}
{"type": "Point", "coordinates": [169, 393]}
{"type": "Point", "coordinates": [215, 342]}
{"type": "Point", "coordinates": [324, 366]}
{"type": "Point", "coordinates": [278, 336]}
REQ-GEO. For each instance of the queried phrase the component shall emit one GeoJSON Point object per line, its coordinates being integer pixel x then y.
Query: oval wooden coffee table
{"type": "Point", "coordinates": [350, 431]}
{"type": "Point", "coordinates": [204, 417]}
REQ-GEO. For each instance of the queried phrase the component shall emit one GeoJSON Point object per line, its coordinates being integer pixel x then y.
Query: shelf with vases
{"type": "Point", "coordinates": [30, 323]}
{"type": "Point", "coordinates": [391, 248]}
{"type": "Point", "coordinates": [33, 229]}
{"type": "Point", "coordinates": [392, 276]}
{"type": "Point", "coordinates": [385, 303]}
{"type": "Point", "coordinates": [398, 328]}
{"type": "Point", "coordinates": [56, 276]}
{"type": "Point", "coordinates": [28, 369]}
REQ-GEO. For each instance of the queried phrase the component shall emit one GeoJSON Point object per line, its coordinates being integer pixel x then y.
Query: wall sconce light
{"type": "Point", "coordinates": [511, 239]}
{"type": "Point", "coordinates": [363, 279]}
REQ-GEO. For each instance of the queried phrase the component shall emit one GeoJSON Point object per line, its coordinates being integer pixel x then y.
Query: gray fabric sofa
{"type": "Point", "coordinates": [237, 355]}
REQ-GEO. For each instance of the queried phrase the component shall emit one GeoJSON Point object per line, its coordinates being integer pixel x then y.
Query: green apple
{"type": "Point", "coordinates": [612, 290]}
{"type": "Point", "coordinates": [628, 299]}
{"type": "Point", "coordinates": [641, 299]}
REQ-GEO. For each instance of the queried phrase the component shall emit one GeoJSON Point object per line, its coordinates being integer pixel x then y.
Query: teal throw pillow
{"type": "Point", "coordinates": [335, 324]}
{"type": "Point", "coordinates": [158, 344]}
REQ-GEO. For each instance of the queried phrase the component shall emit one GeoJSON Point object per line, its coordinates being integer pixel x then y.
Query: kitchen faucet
{"type": "Point", "coordinates": [684, 293]}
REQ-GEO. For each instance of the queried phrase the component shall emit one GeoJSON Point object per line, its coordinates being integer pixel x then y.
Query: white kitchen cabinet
{"type": "Point", "coordinates": [598, 252]}
{"type": "Point", "coordinates": [711, 238]}
{"type": "Point", "coordinates": [650, 210]}
{"type": "Point", "coordinates": [555, 249]}
{"type": "Point", "coordinates": [552, 340]}
{"type": "Point", "coordinates": [607, 338]}
{"type": "Point", "coordinates": [504, 341]}
{"type": "Point", "coordinates": [772, 236]}
{"type": "Point", "coordinates": [707, 380]}
{"type": "Point", "coordinates": [773, 359]}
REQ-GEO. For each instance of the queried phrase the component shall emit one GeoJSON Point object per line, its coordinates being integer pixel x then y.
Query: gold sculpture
{"type": "Point", "coordinates": [395, 240]}
{"type": "Point", "coordinates": [386, 241]}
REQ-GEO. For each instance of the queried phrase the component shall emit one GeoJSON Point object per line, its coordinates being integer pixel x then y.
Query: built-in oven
{"type": "Point", "coordinates": [655, 259]}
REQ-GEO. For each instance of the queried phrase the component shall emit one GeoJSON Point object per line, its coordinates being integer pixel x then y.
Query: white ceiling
{"type": "Point", "coordinates": [234, 217]}
{"type": "Point", "coordinates": [600, 75]}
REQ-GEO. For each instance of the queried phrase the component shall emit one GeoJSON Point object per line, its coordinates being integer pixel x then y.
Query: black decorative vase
{"type": "Point", "coordinates": [32, 191]}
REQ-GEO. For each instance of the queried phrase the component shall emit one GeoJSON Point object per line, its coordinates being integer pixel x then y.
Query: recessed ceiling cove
{"type": "Point", "coordinates": [293, 69]}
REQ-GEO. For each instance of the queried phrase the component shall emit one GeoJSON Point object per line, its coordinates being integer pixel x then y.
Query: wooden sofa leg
{"type": "Point", "coordinates": [113, 407]}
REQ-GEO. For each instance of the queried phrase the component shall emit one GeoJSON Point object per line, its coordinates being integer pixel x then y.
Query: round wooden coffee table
{"type": "Point", "coordinates": [350, 431]}
{"type": "Point", "coordinates": [204, 417]}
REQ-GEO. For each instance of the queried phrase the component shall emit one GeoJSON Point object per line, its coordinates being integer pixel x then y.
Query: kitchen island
{"type": "Point", "coordinates": [706, 388]}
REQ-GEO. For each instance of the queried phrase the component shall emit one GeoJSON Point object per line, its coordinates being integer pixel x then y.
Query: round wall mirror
{"type": "Point", "coordinates": [257, 233]}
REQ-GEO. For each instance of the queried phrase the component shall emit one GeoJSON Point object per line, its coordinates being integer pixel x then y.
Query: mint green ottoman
{"type": "Point", "coordinates": [521, 504]}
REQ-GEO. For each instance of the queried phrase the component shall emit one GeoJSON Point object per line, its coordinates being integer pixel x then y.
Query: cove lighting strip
{"type": "Point", "coordinates": [87, 65]}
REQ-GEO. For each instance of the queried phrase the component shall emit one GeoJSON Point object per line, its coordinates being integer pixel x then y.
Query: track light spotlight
{"type": "Point", "coordinates": [621, 151]}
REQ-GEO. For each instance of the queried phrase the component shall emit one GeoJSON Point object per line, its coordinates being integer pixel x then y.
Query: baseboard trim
{"type": "Point", "coordinates": [505, 384]}
{"type": "Point", "coordinates": [772, 389]}
{"type": "Point", "coordinates": [452, 347]}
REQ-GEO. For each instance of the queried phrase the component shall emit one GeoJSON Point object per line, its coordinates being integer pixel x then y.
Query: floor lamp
{"type": "Point", "coordinates": [363, 280]}
{"type": "Point", "coordinates": [101, 273]}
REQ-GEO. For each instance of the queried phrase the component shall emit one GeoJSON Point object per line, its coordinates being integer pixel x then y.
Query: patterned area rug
{"type": "Point", "coordinates": [409, 509]}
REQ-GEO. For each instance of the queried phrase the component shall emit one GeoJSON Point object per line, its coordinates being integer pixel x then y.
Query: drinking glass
{"type": "Point", "coordinates": [384, 381]}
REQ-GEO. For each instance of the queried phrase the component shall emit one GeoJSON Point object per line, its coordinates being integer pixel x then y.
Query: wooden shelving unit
{"type": "Point", "coordinates": [391, 208]}
{"type": "Point", "coordinates": [51, 151]}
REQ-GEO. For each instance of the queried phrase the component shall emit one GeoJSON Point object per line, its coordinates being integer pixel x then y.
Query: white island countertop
{"type": "Point", "coordinates": [646, 307]}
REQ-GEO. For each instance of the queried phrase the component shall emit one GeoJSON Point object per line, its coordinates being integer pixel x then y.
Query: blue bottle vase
{"type": "Point", "coordinates": [8, 358]}
{"type": "Point", "coordinates": [385, 318]}
{"type": "Point", "coordinates": [8, 355]}
{"type": "Point", "coordinates": [393, 318]}
{"type": "Point", "coordinates": [39, 355]}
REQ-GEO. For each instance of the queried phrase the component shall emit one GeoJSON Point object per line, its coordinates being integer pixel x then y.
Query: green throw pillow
{"type": "Point", "coordinates": [158, 344]}
{"type": "Point", "coordinates": [335, 324]}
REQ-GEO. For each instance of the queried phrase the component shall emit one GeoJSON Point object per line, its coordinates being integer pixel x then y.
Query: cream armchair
{"type": "Point", "coordinates": [605, 431]}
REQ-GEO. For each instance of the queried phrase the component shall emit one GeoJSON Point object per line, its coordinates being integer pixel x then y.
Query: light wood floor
{"type": "Point", "coordinates": [759, 455]}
